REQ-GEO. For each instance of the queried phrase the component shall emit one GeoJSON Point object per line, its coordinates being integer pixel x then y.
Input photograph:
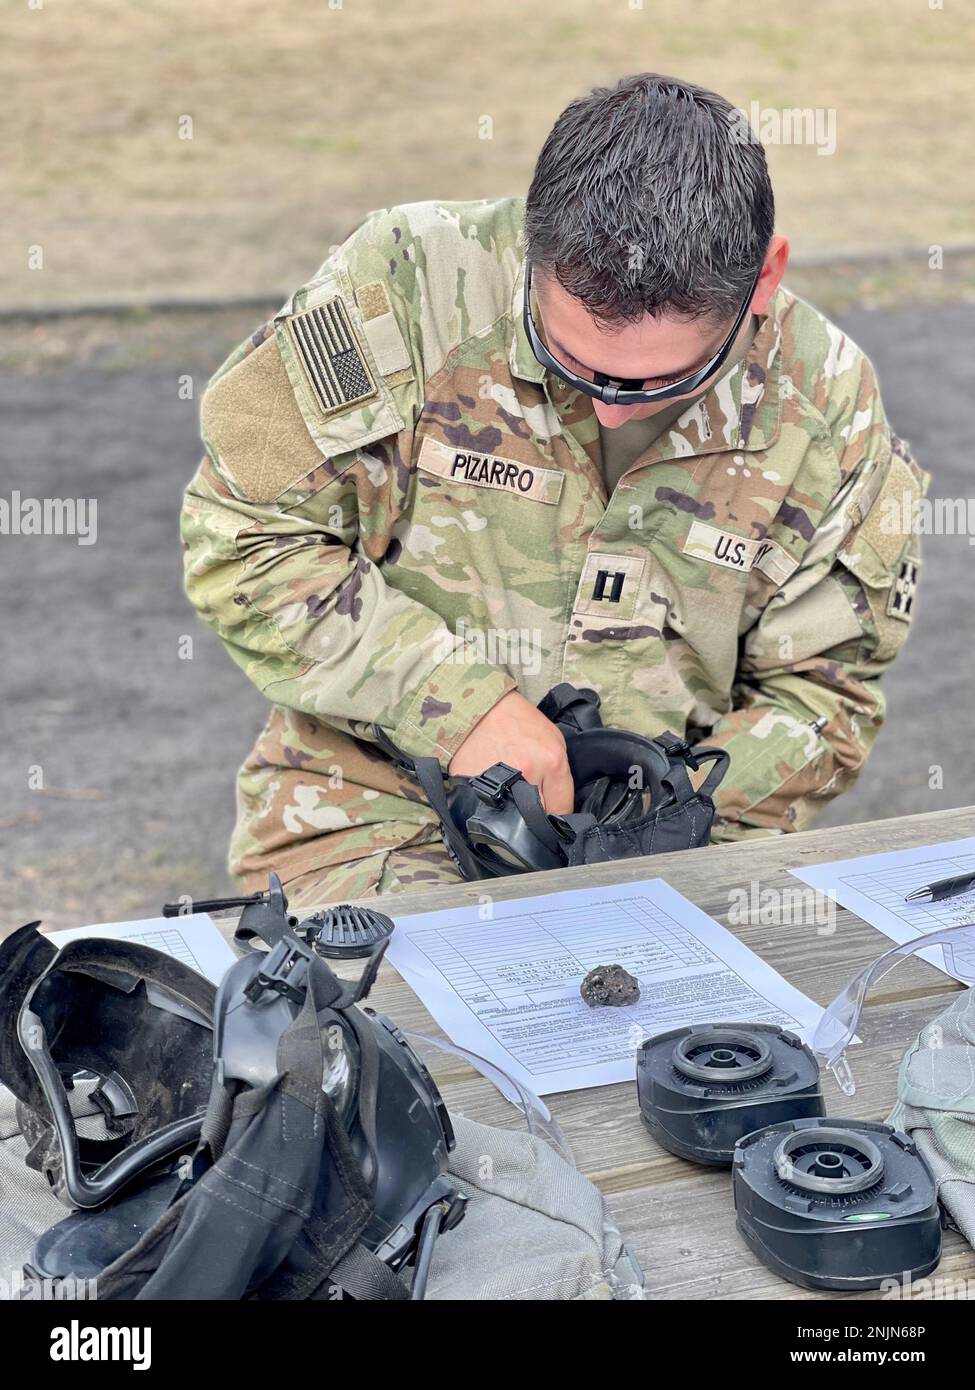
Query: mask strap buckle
{"type": "Point", "coordinates": [494, 784]}
{"type": "Point", "coordinates": [285, 972]}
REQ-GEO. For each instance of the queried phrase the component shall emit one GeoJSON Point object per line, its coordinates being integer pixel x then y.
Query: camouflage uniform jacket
{"type": "Point", "coordinates": [400, 517]}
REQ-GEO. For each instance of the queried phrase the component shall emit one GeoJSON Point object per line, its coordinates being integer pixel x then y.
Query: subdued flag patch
{"type": "Point", "coordinates": [331, 356]}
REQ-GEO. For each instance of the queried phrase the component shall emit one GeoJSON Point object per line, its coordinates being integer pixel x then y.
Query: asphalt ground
{"type": "Point", "coordinates": [119, 754]}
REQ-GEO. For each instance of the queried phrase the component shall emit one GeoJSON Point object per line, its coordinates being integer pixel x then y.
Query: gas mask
{"type": "Point", "coordinates": [633, 796]}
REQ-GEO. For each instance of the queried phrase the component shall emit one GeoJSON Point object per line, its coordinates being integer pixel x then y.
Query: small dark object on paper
{"type": "Point", "coordinates": [609, 986]}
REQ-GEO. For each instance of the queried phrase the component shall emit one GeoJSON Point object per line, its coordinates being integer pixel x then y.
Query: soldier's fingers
{"type": "Point", "coordinates": [558, 792]}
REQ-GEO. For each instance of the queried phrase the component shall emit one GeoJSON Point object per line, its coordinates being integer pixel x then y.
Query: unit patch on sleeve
{"type": "Point", "coordinates": [333, 361]}
{"type": "Point", "coordinates": [900, 603]}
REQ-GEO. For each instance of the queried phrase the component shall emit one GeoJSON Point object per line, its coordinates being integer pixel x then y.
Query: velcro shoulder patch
{"type": "Point", "coordinates": [254, 430]}
{"type": "Point", "coordinates": [882, 553]}
{"type": "Point", "coordinates": [874, 548]}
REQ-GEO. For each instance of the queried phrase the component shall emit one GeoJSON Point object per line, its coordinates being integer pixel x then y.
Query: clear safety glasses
{"type": "Point", "coordinates": [952, 950]}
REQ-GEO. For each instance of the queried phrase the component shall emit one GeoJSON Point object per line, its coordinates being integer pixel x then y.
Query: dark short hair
{"type": "Point", "coordinates": [648, 196]}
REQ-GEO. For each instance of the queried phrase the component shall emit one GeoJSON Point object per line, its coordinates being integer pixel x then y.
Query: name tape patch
{"type": "Point", "coordinates": [490, 470]}
{"type": "Point", "coordinates": [739, 552]}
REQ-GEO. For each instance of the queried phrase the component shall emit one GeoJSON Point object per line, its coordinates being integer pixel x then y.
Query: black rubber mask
{"type": "Point", "coordinates": [108, 1048]}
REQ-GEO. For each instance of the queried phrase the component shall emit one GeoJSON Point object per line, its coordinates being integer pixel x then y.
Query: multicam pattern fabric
{"type": "Point", "coordinates": [406, 560]}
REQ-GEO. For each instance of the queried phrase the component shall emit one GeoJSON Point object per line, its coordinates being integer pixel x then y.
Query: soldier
{"type": "Point", "coordinates": [584, 437]}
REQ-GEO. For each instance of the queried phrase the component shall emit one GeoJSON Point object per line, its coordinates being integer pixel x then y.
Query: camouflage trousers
{"type": "Point", "coordinates": [388, 871]}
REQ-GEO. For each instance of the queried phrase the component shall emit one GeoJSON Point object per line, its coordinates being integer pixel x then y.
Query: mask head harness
{"type": "Point", "coordinates": [633, 796]}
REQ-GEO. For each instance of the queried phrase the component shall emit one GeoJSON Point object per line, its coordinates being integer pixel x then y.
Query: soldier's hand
{"type": "Point", "coordinates": [514, 732]}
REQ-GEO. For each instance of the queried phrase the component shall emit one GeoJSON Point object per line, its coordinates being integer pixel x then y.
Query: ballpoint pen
{"type": "Point", "coordinates": [944, 888]}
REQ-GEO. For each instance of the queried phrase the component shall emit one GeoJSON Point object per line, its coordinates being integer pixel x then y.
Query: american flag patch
{"type": "Point", "coordinates": [337, 371]}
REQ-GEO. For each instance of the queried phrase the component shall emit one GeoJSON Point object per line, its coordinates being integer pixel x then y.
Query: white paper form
{"type": "Point", "coordinates": [193, 939]}
{"type": "Point", "coordinates": [874, 887]}
{"type": "Point", "coordinates": [507, 988]}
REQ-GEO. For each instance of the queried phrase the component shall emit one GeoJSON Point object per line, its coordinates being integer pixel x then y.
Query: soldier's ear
{"type": "Point", "coordinates": [776, 260]}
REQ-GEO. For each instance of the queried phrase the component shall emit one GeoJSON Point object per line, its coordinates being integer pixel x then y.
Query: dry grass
{"type": "Point", "coordinates": [306, 116]}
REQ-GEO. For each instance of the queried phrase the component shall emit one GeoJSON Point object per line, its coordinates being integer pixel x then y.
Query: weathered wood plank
{"type": "Point", "coordinates": [609, 1140]}
{"type": "Point", "coordinates": [684, 1234]}
{"type": "Point", "coordinates": [699, 872]}
{"type": "Point", "coordinates": [815, 961]}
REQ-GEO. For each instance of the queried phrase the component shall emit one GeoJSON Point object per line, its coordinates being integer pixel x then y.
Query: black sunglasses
{"type": "Point", "coordinates": [629, 390]}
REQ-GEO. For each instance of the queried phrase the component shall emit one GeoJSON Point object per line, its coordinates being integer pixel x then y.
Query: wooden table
{"type": "Point", "coordinates": [679, 1219]}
